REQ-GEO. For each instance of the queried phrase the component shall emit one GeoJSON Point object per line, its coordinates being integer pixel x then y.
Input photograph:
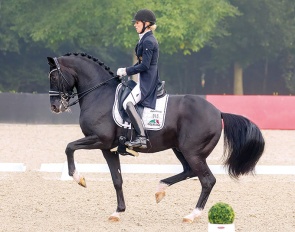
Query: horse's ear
{"type": "Point", "coordinates": [51, 61]}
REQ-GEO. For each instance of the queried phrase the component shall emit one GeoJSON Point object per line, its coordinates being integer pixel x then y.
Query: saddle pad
{"type": "Point", "coordinates": [153, 119]}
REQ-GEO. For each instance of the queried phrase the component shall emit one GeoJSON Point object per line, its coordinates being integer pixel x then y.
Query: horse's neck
{"type": "Point", "coordinates": [103, 94]}
{"type": "Point", "coordinates": [100, 99]}
{"type": "Point", "coordinates": [90, 75]}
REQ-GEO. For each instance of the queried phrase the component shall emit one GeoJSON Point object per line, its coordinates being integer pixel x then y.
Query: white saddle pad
{"type": "Point", "coordinates": [153, 119]}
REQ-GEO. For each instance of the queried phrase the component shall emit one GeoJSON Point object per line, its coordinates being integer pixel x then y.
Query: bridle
{"type": "Point", "coordinates": [63, 94]}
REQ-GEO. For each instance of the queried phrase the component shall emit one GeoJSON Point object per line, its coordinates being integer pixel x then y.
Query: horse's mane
{"type": "Point", "coordinates": [90, 57]}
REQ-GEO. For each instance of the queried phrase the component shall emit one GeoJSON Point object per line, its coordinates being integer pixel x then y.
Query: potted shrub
{"type": "Point", "coordinates": [221, 217]}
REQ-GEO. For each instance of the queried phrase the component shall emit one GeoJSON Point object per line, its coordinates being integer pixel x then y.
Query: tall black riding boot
{"type": "Point", "coordinates": [140, 139]}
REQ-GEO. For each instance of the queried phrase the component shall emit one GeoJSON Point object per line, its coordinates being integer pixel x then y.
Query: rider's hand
{"type": "Point", "coordinates": [121, 72]}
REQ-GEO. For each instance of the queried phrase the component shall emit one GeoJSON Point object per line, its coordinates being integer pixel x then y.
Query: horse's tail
{"type": "Point", "coordinates": [243, 144]}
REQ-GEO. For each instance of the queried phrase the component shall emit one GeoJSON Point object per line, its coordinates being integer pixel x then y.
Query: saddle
{"type": "Point", "coordinates": [126, 89]}
{"type": "Point", "coordinates": [153, 118]}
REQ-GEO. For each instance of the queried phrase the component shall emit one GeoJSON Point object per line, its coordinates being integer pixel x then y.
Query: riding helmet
{"type": "Point", "coordinates": [145, 15]}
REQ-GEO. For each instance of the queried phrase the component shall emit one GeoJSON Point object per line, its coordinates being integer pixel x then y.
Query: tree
{"type": "Point", "coordinates": [288, 70]}
{"type": "Point", "coordinates": [184, 25]}
{"type": "Point", "coordinates": [8, 37]}
{"type": "Point", "coordinates": [263, 31]}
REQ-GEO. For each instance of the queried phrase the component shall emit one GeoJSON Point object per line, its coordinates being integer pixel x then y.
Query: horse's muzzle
{"type": "Point", "coordinates": [55, 109]}
{"type": "Point", "coordinates": [58, 106]}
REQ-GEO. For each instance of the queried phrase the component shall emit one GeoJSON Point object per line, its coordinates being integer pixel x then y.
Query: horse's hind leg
{"type": "Point", "coordinates": [201, 169]}
{"type": "Point", "coordinates": [187, 173]}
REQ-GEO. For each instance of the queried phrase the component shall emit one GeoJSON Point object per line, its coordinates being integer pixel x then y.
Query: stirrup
{"type": "Point", "coordinates": [139, 142]}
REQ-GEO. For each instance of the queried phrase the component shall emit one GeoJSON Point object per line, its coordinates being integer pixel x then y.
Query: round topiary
{"type": "Point", "coordinates": [221, 213]}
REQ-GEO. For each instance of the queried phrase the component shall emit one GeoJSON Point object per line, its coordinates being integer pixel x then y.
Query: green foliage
{"type": "Point", "coordinates": [221, 213]}
{"type": "Point", "coordinates": [240, 31]}
{"type": "Point", "coordinates": [24, 71]}
{"type": "Point", "coordinates": [288, 66]}
{"type": "Point", "coordinates": [8, 38]}
{"type": "Point", "coordinates": [183, 24]}
{"type": "Point", "coordinates": [29, 27]}
{"type": "Point", "coordinates": [261, 32]}
{"type": "Point", "coordinates": [188, 25]}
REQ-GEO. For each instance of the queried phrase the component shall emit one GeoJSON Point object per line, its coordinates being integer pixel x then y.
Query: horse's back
{"type": "Point", "coordinates": [193, 107]}
{"type": "Point", "coordinates": [194, 120]}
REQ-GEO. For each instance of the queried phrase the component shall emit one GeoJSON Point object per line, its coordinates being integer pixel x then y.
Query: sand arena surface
{"type": "Point", "coordinates": [39, 201]}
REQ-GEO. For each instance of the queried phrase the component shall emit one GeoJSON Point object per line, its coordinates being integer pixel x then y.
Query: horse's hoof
{"type": "Point", "coordinates": [82, 182]}
{"type": "Point", "coordinates": [79, 179]}
{"type": "Point", "coordinates": [159, 196]}
{"type": "Point", "coordinates": [192, 216]}
{"type": "Point", "coordinates": [187, 220]}
{"type": "Point", "coordinates": [115, 217]}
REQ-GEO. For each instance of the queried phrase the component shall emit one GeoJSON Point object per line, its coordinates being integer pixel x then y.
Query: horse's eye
{"type": "Point", "coordinates": [53, 77]}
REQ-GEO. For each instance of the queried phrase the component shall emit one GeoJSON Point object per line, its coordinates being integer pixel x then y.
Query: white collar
{"type": "Point", "coordinates": [142, 34]}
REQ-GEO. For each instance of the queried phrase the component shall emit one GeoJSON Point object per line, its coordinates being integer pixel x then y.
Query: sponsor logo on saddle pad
{"type": "Point", "coordinates": [153, 119]}
{"type": "Point", "coordinates": [154, 122]}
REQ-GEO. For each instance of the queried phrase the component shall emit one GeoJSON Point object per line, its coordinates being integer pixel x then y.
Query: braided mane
{"type": "Point", "coordinates": [83, 54]}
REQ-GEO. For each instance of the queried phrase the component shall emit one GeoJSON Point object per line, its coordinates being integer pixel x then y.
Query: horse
{"type": "Point", "coordinates": [192, 128]}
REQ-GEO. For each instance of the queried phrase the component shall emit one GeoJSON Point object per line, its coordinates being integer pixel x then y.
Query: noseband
{"type": "Point", "coordinates": [64, 95]}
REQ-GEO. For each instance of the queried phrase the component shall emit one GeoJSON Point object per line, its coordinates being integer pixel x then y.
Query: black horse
{"type": "Point", "coordinates": [192, 129]}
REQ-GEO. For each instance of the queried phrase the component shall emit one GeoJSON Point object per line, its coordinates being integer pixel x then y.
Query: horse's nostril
{"type": "Point", "coordinates": [53, 108]}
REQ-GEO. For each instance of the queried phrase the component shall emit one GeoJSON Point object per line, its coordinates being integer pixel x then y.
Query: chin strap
{"type": "Point", "coordinates": [145, 27]}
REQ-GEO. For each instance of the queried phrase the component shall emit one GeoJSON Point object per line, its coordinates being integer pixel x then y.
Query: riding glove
{"type": "Point", "coordinates": [121, 72]}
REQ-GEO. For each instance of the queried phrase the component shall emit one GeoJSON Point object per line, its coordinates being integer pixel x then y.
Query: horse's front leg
{"type": "Point", "coordinates": [113, 162]}
{"type": "Point", "coordinates": [89, 142]}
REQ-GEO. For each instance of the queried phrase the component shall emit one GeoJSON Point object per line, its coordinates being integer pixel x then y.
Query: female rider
{"type": "Point", "coordinates": [145, 91]}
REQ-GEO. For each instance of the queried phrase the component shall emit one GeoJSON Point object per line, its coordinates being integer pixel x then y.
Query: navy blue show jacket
{"type": "Point", "coordinates": [147, 52]}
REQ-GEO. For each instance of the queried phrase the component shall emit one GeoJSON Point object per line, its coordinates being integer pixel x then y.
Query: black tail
{"type": "Point", "coordinates": [243, 144]}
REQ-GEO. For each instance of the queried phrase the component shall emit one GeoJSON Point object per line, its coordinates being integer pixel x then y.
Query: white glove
{"type": "Point", "coordinates": [121, 72]}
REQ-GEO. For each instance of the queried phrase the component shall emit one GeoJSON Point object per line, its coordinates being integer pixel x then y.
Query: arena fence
{"type": "Point", "coordinates": [268, 112]}
{"type": "Point", "coordinates": [33, 109]}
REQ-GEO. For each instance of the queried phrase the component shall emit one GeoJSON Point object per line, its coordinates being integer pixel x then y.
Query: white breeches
{"type": "Point", "coordinates": [133, 97]}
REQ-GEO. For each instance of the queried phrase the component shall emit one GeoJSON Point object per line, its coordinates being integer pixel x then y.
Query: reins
{"type": "Point", "coordinates": [66, 95]}
{"type": "Point", "coordinates": [84, 93]}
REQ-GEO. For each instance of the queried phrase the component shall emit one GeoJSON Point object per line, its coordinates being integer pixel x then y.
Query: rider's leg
{"type": "Point", "coordinates": [128, 104]}
{"type": "Point", "coordinates": [134, 96]}
{"type": "Point", "coordinates": [140, 139]}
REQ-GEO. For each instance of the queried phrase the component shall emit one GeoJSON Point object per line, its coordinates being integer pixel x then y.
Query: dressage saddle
{"type": "Point", "coordinates": [125, 90]}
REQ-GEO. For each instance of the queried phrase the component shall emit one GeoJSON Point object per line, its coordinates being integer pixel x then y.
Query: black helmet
{"type": "Point", "coordinates": [145, 15]}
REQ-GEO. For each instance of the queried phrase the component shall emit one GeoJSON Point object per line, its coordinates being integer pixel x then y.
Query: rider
{"type": "Point", "coordinates": [147, 52]}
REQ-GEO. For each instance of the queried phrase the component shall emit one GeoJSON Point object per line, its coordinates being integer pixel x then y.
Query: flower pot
{"type": "Point", "coordinates": [221, 227]}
